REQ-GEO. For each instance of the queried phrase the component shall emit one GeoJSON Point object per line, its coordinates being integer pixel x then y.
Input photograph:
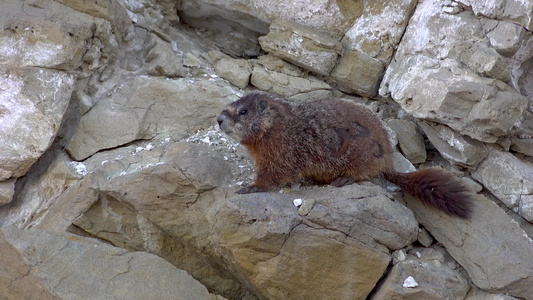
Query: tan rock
{"type": "Point", "coordinates": [431, 277]}
{"type": "Point", "coordinates": [453, 146]}
{"type": "Point", "coordinates": [410, 140]}
{"type": "Point", "coordinates": [147, 107]}
{"type": "Point", "coordinates": [303, 46]}
{"type": "Point", "coordinates": [72, 267]}
{"type": "Point", "coordinates": [498, 261]}
{"type": "Point", "coordinates": [358, 72]}
{"type": "Point", "coordinates": [236, 71]}
{"type": "Point", "coordinates": [33, 102]}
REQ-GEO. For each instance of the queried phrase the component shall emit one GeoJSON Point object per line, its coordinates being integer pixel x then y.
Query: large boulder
{"type": "Point", "coordinates": [40, 265]}
{"type": "Point", "coordinates": [498, 261]}
{"type": "Point", "coordinates": [428, 77]}
{"type": "Point", "coordinates": [148, 107]}
{"type": "Point", "coordinates": [33, 102]}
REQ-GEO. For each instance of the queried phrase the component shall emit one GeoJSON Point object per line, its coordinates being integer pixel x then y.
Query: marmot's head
{"type": "Point", "coordinates": [251, 117]}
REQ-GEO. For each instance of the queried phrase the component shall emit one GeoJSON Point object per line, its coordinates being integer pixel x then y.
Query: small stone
{"type": "Point", "coordinates": [425, 238]}
{"type": "Point", "coordinates": [410, 282]}
{"type": "Point", "coordinates": [398, 256]}
{"type": "Point", "coordinates": [410, 140]}
{"type": "Point", "coordinates": [306, 207]}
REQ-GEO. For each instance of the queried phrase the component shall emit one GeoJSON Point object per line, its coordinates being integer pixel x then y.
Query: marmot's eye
{"type": "Point", "coordinates": [243, 111]}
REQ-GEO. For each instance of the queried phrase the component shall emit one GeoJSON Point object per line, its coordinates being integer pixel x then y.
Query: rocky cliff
{"type": "Point", "coordinates": [115, 183]}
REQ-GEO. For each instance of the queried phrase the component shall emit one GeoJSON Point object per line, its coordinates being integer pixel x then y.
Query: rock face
{"type": "Point", "coordinates": [53, 264]}
{"type": "Point", "coordinates": [107, 114]}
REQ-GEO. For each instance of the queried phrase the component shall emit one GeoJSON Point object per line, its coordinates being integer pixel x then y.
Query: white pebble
{"type": "Point", "coordinates": [297, 202]}
{"type": "Point", "coordinates": [410, 282]}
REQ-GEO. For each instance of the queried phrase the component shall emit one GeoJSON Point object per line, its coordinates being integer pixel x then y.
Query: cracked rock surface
{"type": "Point", "coordinates": [115, 182]}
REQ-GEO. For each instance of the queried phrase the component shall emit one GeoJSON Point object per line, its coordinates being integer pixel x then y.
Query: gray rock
{"type": "Point", "coordinates": [230, 17]}
{"type": "Point", "coordinates": [429, 80]}
{"type": "Point", "coordinates": [146, 108]}
{"type": "Point", "coordinates": [379, 29]}
{"type": "Point", "coordinates": [402, 164]}
{"type": "Point", "coordinates": [301, 45]}
{"type": "Point", "coordinates": [363, 212]}
{"type": "Point", "coordinates": [515, 12]}
{"type": "Point", "coordinates": [506, 37]}
{"type": "Point", "coordinates": [524, 146]}
{"type": "Point", "coordinates": [358, 72]}
{"type": "Point", "coordinates": [48, 35]}
{"type": "Point", "coordinates": [477, 294]}
{"type": "Point", "coordinates": [236, 71]}
{"type": "Point", "coordinates": [424, 238]}
{"type": "Point", "coordinates": [7, 190]}
{"type": "Point", "coordinates": [162, 60]}
{"type": "Point", "coordinates": [435, 280]}
{"type": "Point", "coordinates": [507, 177]}
{"type": "Point", "coordinates": [498, 261]}
{"type": "Point", "coordinates": [456, 148]}
{"type": "Point", "coordinates": [72, 267]}
{"type": "Point", "coordinates": [410, 140]}
{"type": "Point", "coordinates": [286, 85]}
{"type": "Point", "coordinates": [33, 102]}
{"type": "Point", "coordinates": [512, 176]}
{"type": "Point", "coordinates": [488, 63]}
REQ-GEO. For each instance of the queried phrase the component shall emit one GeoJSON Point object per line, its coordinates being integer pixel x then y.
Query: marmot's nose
{"type": "Point", "coordinates": [221, 118]}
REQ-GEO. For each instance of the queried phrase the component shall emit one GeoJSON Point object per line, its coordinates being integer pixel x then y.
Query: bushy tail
{"type": "Point", "coordinates": [437, 188]}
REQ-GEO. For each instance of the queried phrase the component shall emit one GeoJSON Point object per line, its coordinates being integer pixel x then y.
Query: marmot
{"type": "Point", "coordinates": [329, 141]}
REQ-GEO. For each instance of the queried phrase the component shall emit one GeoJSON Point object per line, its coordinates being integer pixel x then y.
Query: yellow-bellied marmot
{"type": "Point", "coordinates": [329, 141]}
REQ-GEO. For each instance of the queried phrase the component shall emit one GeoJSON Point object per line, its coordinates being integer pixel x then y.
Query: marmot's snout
{"type": "Point", "coordinates": [223, 123]}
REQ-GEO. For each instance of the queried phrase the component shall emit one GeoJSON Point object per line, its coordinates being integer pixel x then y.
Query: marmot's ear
{"type": "Point", "coordinates": [262, 105]}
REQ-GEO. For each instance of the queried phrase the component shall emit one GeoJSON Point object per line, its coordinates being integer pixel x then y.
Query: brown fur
{"type": "Point", "coordinates": [328, 141]}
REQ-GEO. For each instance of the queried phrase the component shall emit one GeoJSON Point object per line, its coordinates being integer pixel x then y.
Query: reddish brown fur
{"type": "Point", "coordinates": [328, 141]}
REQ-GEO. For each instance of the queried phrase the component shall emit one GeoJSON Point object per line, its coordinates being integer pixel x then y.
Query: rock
{"type": "Point", "coordinates": [274, 257]}
{"type": "Point", "coordinates": [424, 238]}
{"type": "Point", "coordinates": [286, 85]}
{"type": "Point", "coordinates": [112, 10]}
{"type": "Point", "coordinates": [506, 37]}
{"type": "Point", "coordinates": [432, 55]}
{"type": "Point", "coordinates": [402, 164]}
{"type": "Point", "coordinates": [358, 72]}
{"type": "Point", "coordinates": [162, 60]}
{"type": "Point", "coordinates": [516, 12]}
{"type": "Point", "coordinates": [498, 261]}
{"type": "Point", "coordinates": [47, 35]}
{"type": "Point", "coordinates": [7, 190]}
{"type": "Point", "coordinates": [235, 21]}
{"type": "Point", "coordinates": [303, 46]}
{"type": "Point", "coordinates": [168, 201]}
{"type": "Point", "coordinates": [146, 108]}
{"type": "Point", "coordinates": [508, 178]}
{"type": "Point", "coordinates": [236, 71]}
{"type": "Point", "coordinates": [435, 280]}
{"type": "Point", "coordinates": [456, 148]}
{"type": "Point", "coordinates": [364, 213]}
{"type": "Point", "coordinates": [32, 102]}
{"type": "Point", "coordinates": [55, 265]}
{"type": "Point", "coordinates": [477, 294]}
{"type": "Point", "coordinates": [488, 63]}
{"type": "Point", "coordinates": [379, 29]}
{"type": "Point", "coordinates": [524, 146]}
{"type": "Point", "coordinates": [410, 140]}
